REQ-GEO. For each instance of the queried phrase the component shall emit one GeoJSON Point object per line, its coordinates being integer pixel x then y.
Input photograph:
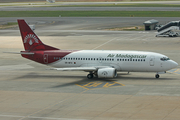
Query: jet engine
{"type": "Point", "coordinates": [107, 73]}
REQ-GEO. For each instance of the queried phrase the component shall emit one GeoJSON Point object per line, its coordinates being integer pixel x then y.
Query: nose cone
{"type": "Point", "coordinates": [173, 64]}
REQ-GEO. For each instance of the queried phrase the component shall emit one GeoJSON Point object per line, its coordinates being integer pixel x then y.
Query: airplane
{"type": "Point", "coordinates": [99, 63]}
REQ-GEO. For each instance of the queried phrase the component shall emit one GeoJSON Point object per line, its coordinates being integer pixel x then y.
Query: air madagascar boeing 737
{"type": "Point", "coordinates": [99, 63]}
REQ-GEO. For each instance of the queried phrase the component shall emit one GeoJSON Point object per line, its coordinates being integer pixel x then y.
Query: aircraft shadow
{"type": "Point", "coordinates": [83, 79]}
{"type": "Point", "coordinates": [78, 80]}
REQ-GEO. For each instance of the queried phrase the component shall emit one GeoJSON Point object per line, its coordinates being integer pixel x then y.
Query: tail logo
{"type": "Point", "coordinates": [31, 39]}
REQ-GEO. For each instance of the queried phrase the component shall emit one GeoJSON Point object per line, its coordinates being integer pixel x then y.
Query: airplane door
{"type": "Point", "coordinates": [152, 61]}
{"type": "Point", "coordinates": [45, 58]}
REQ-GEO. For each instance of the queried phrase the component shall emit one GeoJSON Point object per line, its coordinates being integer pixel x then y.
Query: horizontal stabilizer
{"type": "Point", "coordinates": [22, 53]}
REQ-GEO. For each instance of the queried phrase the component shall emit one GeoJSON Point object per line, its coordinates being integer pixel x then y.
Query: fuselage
{"type": "Point", "coordinates": [132, 61]}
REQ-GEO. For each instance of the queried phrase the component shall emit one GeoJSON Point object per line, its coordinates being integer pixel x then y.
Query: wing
{"type": "Point", "coordinates": [76, 69]}
{"type": "Point", "coordinates": [80, 68]}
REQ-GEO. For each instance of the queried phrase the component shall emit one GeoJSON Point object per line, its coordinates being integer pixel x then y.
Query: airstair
{"type": "Point", "coordinates": [171, 29]}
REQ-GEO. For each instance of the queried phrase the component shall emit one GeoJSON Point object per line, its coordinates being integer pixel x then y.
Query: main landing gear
{"type": "Point", "coordinates": [91, 75]}
{"type": "Point", "coordinates": [157, 76]}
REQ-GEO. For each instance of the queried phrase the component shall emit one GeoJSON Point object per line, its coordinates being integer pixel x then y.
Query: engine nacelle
{"type": "Point", "coordinates": [107, 73]}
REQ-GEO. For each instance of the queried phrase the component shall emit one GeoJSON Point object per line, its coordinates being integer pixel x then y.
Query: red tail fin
{"type": "Point", "coordinates": [30, 39]}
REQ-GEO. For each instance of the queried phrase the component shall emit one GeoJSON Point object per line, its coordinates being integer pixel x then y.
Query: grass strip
{"type": "Point", "coordinates": [8, 25]}
{"type": "Point", "coordinates": [89, 13]}
{"type": "Point", "coordinates": [120, 5]}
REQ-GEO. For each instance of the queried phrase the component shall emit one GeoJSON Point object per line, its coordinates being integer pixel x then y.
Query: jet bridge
{"type": "Point", "coordinates": [171, 29]}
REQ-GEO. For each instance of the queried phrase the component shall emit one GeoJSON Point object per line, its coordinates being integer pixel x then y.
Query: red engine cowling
{"type": "Point", "coordinates": [107, 73]}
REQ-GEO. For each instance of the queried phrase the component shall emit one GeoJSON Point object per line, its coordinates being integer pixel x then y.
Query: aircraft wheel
{"type": "Point", "coordinates": [90, 76]}
{"type": "Point", "coordinates": [157, 75]}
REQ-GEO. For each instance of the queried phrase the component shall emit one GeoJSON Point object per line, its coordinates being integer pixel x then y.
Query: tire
{"type": "Point", "coordinates": [157, 76]}
{"type": "Point", "coordinates": [90, 76]}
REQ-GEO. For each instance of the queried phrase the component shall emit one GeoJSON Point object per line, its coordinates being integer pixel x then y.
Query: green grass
{"type": "Point", "coordinates": [11, 23]}
{"type": "Point", "coordinates": [121, 5]}
{"type": "Point", "coordinates": [90, 13]}
{"type": "Point", "coordinates": [8, 25]}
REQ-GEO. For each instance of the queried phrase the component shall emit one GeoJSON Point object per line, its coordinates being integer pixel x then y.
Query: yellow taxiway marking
{"type": "Point", "coordinates": [173, 73]}
{"type": "Point", "coordinates": [110, 85]}
{"type": "Point", "coordinates": [176, 70]}
{"type": "Point", "coordinates": [99, 84]}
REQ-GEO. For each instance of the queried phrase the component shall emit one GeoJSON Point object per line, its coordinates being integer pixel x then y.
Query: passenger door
{"type": "Point", "coordinates": [152, 61]}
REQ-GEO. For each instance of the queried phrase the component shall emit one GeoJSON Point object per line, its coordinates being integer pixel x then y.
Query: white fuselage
{"type": "Point", "coordinates": [131, 61]}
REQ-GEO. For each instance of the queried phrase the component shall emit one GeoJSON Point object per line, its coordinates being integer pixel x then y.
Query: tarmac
{"type": "Point", "coordinates": [30, 91]}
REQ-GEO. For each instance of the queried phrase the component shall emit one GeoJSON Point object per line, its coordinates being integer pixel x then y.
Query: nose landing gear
{"type": "Point", "coordinates": [157, 76]}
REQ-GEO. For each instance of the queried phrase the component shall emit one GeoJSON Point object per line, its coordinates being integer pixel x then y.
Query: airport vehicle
{"type": "Point", "coordinates": [100, 63]}
{"type": "Point", "coordinates": [171, 29]}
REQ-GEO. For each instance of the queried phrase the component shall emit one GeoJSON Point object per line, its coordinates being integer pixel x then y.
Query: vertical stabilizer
{"type": "Point", "coordinates": [30, 39]}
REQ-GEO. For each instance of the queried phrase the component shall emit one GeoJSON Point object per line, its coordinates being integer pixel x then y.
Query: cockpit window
{"type": "Point", "coordinates": [164, 59]}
